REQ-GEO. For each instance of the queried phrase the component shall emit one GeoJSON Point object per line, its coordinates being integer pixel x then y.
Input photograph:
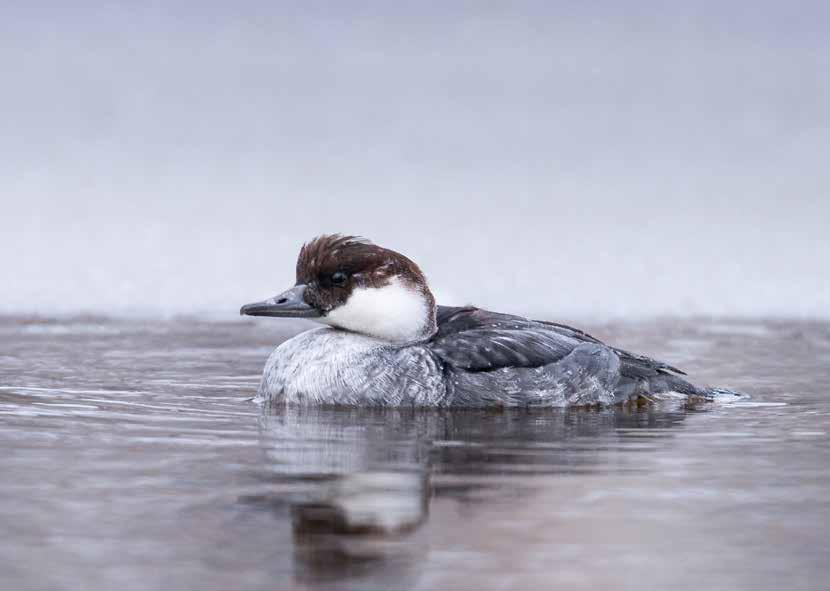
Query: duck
{"type": "Point", "coordinates": [386, 343]}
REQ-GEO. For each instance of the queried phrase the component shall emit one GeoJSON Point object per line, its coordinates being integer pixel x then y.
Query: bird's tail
{"type": "Point", "coordinates": [675, 383]}
{"type": "Point", "coordinates": [723, 395]}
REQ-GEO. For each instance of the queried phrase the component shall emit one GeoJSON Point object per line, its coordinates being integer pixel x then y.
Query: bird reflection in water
{"type": "Point", "coordinates": [361, 480]}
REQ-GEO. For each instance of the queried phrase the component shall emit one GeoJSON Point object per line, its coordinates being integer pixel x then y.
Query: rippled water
{"type": "Point", "coordinates": [132, 458]}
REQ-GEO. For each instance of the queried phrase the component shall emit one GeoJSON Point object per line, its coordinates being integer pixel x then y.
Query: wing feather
{"type": "Point", "coordinates": [479, 340]}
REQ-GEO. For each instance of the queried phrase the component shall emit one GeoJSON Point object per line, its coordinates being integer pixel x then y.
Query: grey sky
{"type": "Point", "coordinates": [565, 159]}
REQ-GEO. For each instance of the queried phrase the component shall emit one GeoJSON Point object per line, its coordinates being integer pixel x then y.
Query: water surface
{"type": "Point", "coordinates": [133, 458]}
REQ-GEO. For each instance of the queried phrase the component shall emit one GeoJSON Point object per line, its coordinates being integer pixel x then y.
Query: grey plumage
{"type": "Point", "coordinates": [476, 358]}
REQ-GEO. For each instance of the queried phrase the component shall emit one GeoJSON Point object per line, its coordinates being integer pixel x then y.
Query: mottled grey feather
{"type": "Point", "coordinates": [477, 358]}
{"type": "Point", "coordinates": [479, 340]}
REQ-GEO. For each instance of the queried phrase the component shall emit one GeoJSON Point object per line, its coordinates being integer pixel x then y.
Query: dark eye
{"type": "Point", "coordinates": [339, 279]}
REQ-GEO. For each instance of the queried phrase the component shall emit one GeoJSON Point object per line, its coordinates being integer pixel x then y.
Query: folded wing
{"type": "Point", "coordinates": [473, 339]}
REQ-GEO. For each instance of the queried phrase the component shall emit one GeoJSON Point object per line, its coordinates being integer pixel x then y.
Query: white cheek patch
{"type": "Point", "coordinates": [394, 312]}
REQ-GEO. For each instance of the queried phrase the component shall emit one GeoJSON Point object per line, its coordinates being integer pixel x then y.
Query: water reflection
{"type": "Point", "coordinates": [132, 460]}
{"type": "Point", "coordinates": [361, 523]}
{"type": "Point", "coordinates": [359, 482]}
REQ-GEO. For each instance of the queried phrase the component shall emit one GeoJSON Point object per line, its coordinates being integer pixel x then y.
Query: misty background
{"type": "Point", "coordinates": [562, 159]}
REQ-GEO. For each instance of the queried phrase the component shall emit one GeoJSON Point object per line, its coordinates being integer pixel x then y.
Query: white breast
{"type": "Point", "coordinates": [329, 366]}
